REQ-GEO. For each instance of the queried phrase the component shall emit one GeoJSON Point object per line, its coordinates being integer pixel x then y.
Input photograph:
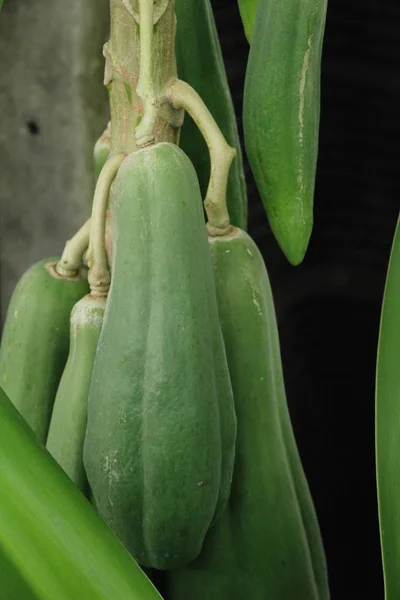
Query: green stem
{"type": "Point", "coordinates": [145, 87]}
{"type": "Point", "coordinates": [122, 74]}
{"type": "Point", "coordinates": [99, 276]}
{"type": "Point", "coordinates": [71, 258]}
{"type": "Point", "coordinates": [182, 95]}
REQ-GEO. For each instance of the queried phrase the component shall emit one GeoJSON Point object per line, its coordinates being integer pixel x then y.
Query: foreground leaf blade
{"type": "Point", "coordinates": [388, 424]}
{"type": "Point", "coordinates": [53, 545]}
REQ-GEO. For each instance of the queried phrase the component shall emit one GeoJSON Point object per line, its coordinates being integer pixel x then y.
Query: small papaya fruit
{"type": "Point", "coordinates": [35, 342]}
{"type": "Point", "coordinates": [259, 548]}
{"type": "Point", "coordinates": [200, 63]}
{"type": "Point", "coordinates": [69, 417]}
{"type": "Point", "coordinates": [281, 109]}
{"type": "Point", "coordinates": [160, 438]}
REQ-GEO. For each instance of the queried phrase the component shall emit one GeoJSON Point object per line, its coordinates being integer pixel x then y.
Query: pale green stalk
{"type": "Point", "coordinates": [99, 275]}
{"type": "Point", "coordinates": [182, 95]}
{"type": "Point", "coordinates": [72, 256]}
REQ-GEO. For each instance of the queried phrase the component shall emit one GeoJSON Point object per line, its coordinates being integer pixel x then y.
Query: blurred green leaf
{"type": "Point", "coordinates": [247, 10]}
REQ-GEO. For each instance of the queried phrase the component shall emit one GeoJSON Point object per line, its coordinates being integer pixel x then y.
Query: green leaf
{"type": "Point", "coordinates": [247, 10]}
{"type": "Point", "coordinates": [388, 425]}
{"type": "Point", "coordinates": [52, 542]}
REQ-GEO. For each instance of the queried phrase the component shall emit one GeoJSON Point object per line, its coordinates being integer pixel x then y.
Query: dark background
{"type": "Point", "coordinates": [329, 307]}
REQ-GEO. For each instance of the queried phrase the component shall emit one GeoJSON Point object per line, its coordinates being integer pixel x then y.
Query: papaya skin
{"type": "Point", "coordinates": [259, 548]}
{"type": "Point", "coordinates": [69, 416]}
{"type": "Point", "coordinates": [281, 110]}
{"type": "Point", "coordinates": [158, 459]}
{"type": "Point", "coordinates": [35, 342]}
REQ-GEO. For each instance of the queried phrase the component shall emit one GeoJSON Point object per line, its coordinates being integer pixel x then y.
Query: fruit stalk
{"type": "Point", "coordinates": [182, 95]}
{"type": "Point", "coordinates": [99, 276]}
{"type": "Point", "coordinates": [71, 258]}
{"type": "Point", "coordinates": [198, 52]}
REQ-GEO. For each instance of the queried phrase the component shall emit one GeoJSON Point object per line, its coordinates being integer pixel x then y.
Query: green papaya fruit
{"type": "Point", "coordinates": [159, 444]}
{"type": "Point", "coordinates": [35, 342]}
{"type": "Point", "coordinates": [200, 63]}
{"type": "Point", "coordinates": [53, 545]}
{"type": "Point", "coordinates": [387, 427]}
{"type": "Point", "coordinates": [281, 109]}
{"type": "Point", "coordinates": [69, 417]}
{"type": "Point", "coordinates": [259, 548]}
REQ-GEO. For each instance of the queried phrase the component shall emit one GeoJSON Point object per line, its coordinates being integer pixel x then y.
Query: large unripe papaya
{"type": "Point", "coordinates": [159, 445]}
{"type": "Point", "coordinates": [267, 544]}
{"type": "Point", "coordinates": [35, 342]}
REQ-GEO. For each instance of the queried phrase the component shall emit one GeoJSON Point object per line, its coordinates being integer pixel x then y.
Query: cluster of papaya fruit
{"type": "Point", "coordinates": [146, 358]}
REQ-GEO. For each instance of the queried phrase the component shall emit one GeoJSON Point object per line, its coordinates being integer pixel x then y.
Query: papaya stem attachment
{"type": "Point", "coordinates": [145, 87]}
{"type": "Point", "coordinates": [182, 95]}
{"type": "Point", "coordinates": [99, 276]}
{"type": "Point", "coordinates": [72, 256]}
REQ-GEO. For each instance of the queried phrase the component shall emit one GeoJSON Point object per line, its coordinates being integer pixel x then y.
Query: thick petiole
{"type": "Point", "coordinates": [182, 95]}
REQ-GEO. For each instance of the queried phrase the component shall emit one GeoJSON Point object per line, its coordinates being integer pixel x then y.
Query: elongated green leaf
{"type": "Point", "coordinates": [388, 425]}
{"type": "Point", "coordinates": [53, 545]}
{"type": "Point", "coordinates": [247, 10]}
